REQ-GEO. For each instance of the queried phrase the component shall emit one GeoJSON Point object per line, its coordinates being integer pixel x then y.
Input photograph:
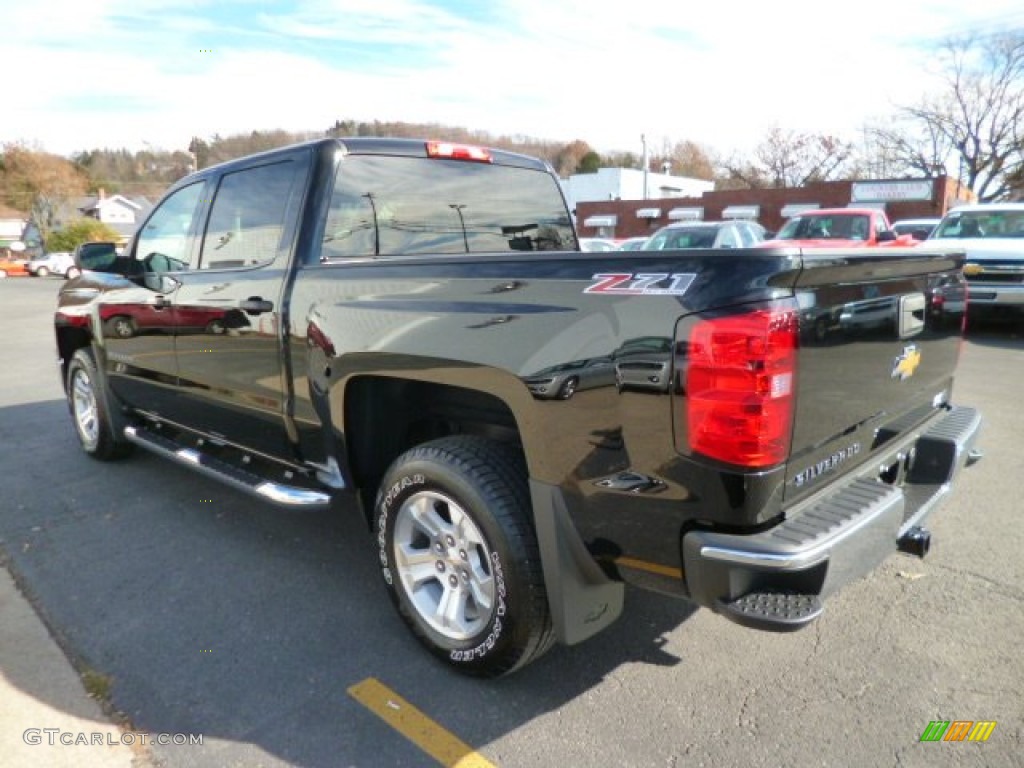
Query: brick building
{"type": "Point", "coordinates": [899, 198]}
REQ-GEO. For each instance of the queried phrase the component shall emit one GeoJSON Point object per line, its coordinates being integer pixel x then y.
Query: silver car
{"type": "Point", "coordinates": [563, 381]}
{"type": "Point", "coordinates": [706, 234]}
{"type": "Point", "coordinates": [54, 263]}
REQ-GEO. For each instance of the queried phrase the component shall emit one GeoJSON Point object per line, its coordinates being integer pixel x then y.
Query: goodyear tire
{"type": "Point", "coordinates": [459, 555]}
{"type": "Point", "coordinates": [88, 401]}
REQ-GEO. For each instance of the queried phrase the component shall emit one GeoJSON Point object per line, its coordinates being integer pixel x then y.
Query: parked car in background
{"type": "Point", "coordinates": [839, 228]}
{"type": "Point", "coordinates": [992, 234]}
{"type": "Point", "coordinates": [596, 244]}
{"type": "Point", "coordinates": [12, 268]}
{"type": "Point", "coordinates": [706, 234]}
{"type": "Point", "coordinates": [565, 380]}
{"type": "Point", "coordinates": [632, 243]}
{"type": "Point", "coordinates": [55, 263]}
{"type": "Point", "coordinates": [919, 229]}
{"type": "Point", "coordinates": [646, 364]}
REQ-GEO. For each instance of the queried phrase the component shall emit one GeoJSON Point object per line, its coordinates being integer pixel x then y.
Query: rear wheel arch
{"type": "Point", "coordinates": [385, 416]}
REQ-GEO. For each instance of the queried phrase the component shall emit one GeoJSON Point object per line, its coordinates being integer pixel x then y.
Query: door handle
{"type": "Point", "coordinates": [256, 305]}
{"type": "Point", "coordinates": [161, 302]}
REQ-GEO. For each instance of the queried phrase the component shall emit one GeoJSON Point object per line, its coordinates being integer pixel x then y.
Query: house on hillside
{"type": "Point", "coordinates": [123, 213]}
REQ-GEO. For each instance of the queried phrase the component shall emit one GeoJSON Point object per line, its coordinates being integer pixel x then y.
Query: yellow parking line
{"type": "Point", "coordinates": [416, 726]}
{"type": "Point", "coordinates": [641, 565]}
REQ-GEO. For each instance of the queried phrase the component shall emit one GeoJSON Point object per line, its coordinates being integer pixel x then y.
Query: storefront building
{"type": "Point", "coordinates": [899, 198]}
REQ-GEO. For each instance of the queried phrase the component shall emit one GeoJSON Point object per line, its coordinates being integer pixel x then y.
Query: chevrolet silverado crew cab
{"type": "Point", "coordinates": [407, 330]}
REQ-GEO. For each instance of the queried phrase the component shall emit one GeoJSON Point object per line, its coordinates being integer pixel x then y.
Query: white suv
{"type": "Point", "coordinates": [992, 234]}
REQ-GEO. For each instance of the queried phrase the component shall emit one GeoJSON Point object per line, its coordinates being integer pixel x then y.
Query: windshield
{"type": "Point", "coordinates": [985, 224]}
{"type": "Point", "coordinates": [838, 226]}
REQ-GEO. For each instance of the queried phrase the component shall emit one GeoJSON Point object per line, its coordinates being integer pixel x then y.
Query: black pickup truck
{"type": "Point", "coordinates": [410, 325]}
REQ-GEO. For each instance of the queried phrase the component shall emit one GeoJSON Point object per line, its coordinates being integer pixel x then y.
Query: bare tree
{"type": "Point", "coordinates": [976, 121]}
{"type": "Point", "coordinates": [786, 158]}
{"type": "Point", "coordinates": [904, 145]}
{"type": "Point", "coordinates": [685, 158]}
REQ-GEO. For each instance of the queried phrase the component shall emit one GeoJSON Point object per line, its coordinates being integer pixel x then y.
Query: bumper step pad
{"type": "Point", "coordinates": [773, 611]}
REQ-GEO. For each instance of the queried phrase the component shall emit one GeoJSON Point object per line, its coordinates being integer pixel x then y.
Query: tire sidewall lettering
{"type": "Point", "coordinates": [497, 625]}
{"type": "Point", "coordinates": [385, 503]}
{"type": "Point", "coordinates": [387, 500]}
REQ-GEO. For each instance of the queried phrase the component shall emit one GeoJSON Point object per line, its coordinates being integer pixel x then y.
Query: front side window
{"type": "Point", "coordinates": [164, 244]}
{"type": "Point", "coordinates": [391, 206]}
{"type": "Point", "coordinates": [249, 216]}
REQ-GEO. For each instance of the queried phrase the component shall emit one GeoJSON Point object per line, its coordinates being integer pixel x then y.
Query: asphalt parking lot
{"type": "Point", "coordinates": [271, 635]}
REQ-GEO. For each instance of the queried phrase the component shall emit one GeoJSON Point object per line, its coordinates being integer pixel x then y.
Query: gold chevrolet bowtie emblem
{"type": "Point", "coordinates": [904, 366]}
{"type": "Point", "coordinates": [973, 269]}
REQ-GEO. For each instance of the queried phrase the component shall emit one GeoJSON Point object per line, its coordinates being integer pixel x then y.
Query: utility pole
{"type": "Point", "coordinates": [645, 161]}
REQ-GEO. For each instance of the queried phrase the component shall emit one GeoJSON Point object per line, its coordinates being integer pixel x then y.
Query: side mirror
{"type": "Point", "coordinates": [886, 236]}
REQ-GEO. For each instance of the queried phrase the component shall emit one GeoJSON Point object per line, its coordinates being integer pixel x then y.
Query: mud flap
{"type": "Point", "coordinates": [583, 600]}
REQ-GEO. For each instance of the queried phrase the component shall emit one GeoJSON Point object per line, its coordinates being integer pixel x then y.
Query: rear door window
{"type": "Point", "coordinates": [249, 215]}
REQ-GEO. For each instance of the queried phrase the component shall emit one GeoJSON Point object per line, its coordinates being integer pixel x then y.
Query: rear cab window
{"type": "Point", "coordinates": [389, 205]}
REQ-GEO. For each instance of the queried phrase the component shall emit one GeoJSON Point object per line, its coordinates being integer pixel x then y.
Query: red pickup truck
{"type": "Point", "coordinates": [839, 228]}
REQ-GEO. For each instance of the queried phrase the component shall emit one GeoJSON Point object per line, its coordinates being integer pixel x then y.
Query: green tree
{"type": "Point", "coordinates": [84, 230]}
{"type": "Point", "coordinates": [567, 160]}
{"type": "Point", "coordinates": [589, 163]}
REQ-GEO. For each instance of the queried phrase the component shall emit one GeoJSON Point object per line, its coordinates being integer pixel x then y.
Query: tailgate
{"type": "Point", "coordinates": [879, 339]}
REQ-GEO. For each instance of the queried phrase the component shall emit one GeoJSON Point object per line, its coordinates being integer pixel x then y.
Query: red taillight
{"type": "Point", "coordinates": [739, 387]}
{"type": "Point", "coordinates": [457, 151]}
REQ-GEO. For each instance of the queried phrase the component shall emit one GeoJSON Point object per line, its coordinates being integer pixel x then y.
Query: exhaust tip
{"type": "Point", "coordinates": [917, 541]}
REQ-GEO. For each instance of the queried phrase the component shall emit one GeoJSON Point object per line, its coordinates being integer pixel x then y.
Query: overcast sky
{"type": "Point", "coordinates": [83, 74]}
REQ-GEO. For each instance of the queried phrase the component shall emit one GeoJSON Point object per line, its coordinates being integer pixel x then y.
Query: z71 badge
{"type": "Point", "coordinates": [629, 284]}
